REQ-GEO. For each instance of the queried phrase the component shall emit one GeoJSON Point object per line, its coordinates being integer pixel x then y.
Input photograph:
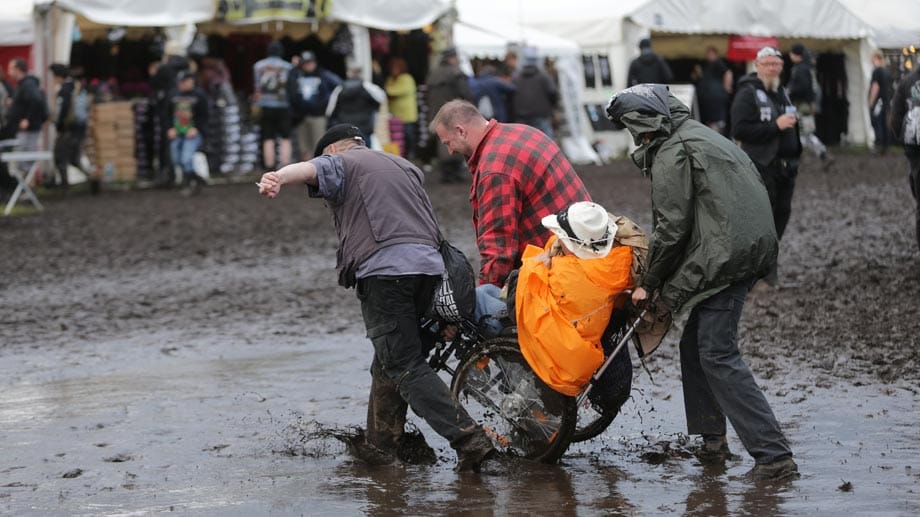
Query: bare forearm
{"type": "Point", "coordinates": [300, 172]}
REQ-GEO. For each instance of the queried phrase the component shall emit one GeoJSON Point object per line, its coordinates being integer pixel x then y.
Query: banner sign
{"type": "Point", "coordinates": [252, 11]}
{"type": "Point", "coordinates": [744, 48]}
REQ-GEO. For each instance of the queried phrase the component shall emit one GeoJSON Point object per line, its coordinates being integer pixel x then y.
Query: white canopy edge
{"type": "Point", "coordinates": [827, 19]}
{"type": "Point", "coordinates": [389, 14]}
{"type": "Point", "coordinates": [141, 13]}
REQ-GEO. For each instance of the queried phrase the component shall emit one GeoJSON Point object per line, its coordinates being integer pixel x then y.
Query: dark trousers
{"type": "Point", "coordinates": [718, 384]}
{"type": "Point", "coordinates": [880, 127]}
{"type": "Point", "coordinates": [779, 178]}
{"type": "Point", "coordinates": [913, 160]}
{"type": "Point", "coordinates": [401, 377]}
{"type": "Point", "coordinates": [67, 150]}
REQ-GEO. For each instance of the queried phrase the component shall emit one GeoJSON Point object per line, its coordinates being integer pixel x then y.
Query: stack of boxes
{"type": "Point", "coordinates": [111, 129]}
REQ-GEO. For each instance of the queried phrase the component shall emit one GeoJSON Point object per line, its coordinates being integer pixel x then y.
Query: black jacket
{"type": "Point", "coordinates": [535, 94]}
{"type": "Point", "coordinates": [65, 99]}
{"type": "Point", "coordinates": [28, 103]}
{"type": "Point", "coordinates": [353, 103]}
{"type": "Point", "coordinates": [754, 113]}
{"type": "Point", "coordinates": [649, 68]}
{"type": "Point", "coordinates": [801, 89]}
{"type": "Point", "coordinates": [899, 105]}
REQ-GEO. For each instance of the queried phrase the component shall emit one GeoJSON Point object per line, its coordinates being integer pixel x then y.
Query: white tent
{"type": "Point", "coordinates": [895, 23]}
{"type": "Point", "coordinates": [474, 40]}
{"type": "Point", "coordinates": [683, 28]}
{"type": "Point", "coordinates": [16, 26]}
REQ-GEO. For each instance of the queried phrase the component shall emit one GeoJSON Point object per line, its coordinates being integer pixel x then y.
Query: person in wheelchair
{"type": "Point", "coordinates": [565, 293]}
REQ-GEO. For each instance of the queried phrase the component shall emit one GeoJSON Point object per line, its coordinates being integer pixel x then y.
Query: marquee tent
{"type": "Point", "coordinates": [474, 40]}
{"type": "Point", "coordinates": [683, 28]}
{"type": "Point", "coordinates": [895, 23]}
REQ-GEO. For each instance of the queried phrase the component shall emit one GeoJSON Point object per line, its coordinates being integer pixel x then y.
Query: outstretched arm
{"type": "Point", "coordinates": [301, 172]}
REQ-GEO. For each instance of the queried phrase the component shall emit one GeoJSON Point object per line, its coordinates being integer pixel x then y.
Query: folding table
{"type": "Point", "coordinates": [13, 158]}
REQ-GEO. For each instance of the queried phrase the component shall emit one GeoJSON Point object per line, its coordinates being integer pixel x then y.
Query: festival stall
{"type": "Point", "coordinates": [475, 40]}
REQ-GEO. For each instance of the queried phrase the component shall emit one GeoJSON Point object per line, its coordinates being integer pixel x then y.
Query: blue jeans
{"type": "Point", "coordinates": [182, 150]}
{"type": "Point", "coordinates": [490, 308]}
{"type": "Point", "coordinates": [718, 384]}
{"type": "Point", "coordinates": [544, 124]}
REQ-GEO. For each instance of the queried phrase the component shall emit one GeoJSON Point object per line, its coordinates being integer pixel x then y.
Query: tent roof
{"type": "Point", "coordinates": [827, 19]}
{"type": "Point", "coordinates": [476, 40]}
{"type": "Point", "coordinates": [895, 22]}
{"type": "Point", "coordinates": [141, 13]}
{"type": "Point", "coordinates": [389, 14]}
{"type": "Point", "coordinates": [16, 26]}
{"type": "Point", "coordinates": [380, 14]}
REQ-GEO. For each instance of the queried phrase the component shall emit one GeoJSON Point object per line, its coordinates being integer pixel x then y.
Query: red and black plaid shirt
{"type": "Point", "coordinates": [519, 176]}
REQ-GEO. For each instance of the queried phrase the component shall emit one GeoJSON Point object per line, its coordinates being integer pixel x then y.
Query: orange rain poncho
{"type": "Point", "coordinates": [562, 312]}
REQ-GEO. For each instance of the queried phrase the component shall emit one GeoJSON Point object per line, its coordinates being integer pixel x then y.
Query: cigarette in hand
{"type": "Point", "coordinates": [258, 184]}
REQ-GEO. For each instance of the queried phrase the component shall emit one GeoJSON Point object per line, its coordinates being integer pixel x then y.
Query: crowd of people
{"type": "Point", "coordinates": [720, 211]}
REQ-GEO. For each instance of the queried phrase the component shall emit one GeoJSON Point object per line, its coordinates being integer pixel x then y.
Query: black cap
{"type": "Point", "coordinates": [448, 53]}
{"type": "Point", "coordinates": [336, 133]}
{"type": "Point", "coordinates": [306, 56]}
{"type": "Point", "coordinates": [798, 49]}
{"type": "Point", "coordinates": [645, 43]}
{"type": "Point", "coordinates": [185, 74]}
{"type": "Point", "coordinates": [60, 70]}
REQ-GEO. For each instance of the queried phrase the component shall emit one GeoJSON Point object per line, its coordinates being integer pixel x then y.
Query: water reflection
{"type": "Point", "coordinates": [709, 496]}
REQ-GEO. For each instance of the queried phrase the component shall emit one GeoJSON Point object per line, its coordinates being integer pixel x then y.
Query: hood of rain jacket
{"type": "Point", "coordinates": [713, 225]}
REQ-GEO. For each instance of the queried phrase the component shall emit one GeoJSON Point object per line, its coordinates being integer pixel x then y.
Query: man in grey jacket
{"type": "Point", "coordinates": [713, 236]}
{"type": "Point", "coordinates": [388, 250]}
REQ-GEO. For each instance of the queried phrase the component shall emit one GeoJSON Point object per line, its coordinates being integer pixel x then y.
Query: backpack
{"type": "Point", "coordinates": [911, 124]}
{"type": "Point", "coordinates": [79, 106]}
{"type": "Point", "coordinates": [455, 297]}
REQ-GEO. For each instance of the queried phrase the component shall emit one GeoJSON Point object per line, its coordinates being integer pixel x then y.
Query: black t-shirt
{"type": "Point", "coordinates": [882, 76]}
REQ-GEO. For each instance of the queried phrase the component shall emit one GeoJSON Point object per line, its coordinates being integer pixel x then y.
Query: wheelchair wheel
{"type": "Point", "coordinates": [521, 414]}
{"type": "Point", "coordinates": [592, 421]}
{"type": "Point", "coordinates": [609, 393]}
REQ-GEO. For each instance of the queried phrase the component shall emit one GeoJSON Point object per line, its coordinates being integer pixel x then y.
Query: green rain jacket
{"type": "Point", "coordinates": [713, 225]}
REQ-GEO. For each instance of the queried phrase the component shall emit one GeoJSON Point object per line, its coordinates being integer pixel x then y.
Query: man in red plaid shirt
{"type": "Point", "coordinates": [519, 176]}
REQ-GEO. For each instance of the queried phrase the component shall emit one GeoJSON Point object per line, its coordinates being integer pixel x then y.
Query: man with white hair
{"type": "Point", "coordinates": [765, 124]}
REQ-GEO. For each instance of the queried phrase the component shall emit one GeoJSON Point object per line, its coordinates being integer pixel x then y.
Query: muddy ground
{"type": "Point", "coordinates": [161, 353]}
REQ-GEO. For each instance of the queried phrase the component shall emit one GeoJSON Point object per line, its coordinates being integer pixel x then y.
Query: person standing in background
{"type": "Point", "coordinates": [271, 78]}
{"type": "Point", "coordinates": [187, 127]}
{"type": "Point", "coordinates": [492, 94]}
{"type": "Point", "coordinates": [905, 126]}
{"type": "Point", "coordinates": [649, 67]}
{"type": "Point", "coordinates": [309, 89]}
{"type": "Point", "coordinates": [714, 88]}
{"type": "Point", "coordinates": [879, 98]}
{"type": "Point", "coordinates": [447, 82]}
{"type": "Point", "coordinates": [765, 126]}
{"type": "Point", "coordinates": [71, 113]}
{"type": "Point", "coordinates": [535, 94]}
{"type": "Point", "coordinates": [402, 93]}
{"type": "Point", "coordinates": [355, 102]}
{"type": "Point", "coordinates": [803, 91]}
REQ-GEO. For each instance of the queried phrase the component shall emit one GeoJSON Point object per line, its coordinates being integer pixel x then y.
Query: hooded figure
{"type": "Point", "coordinates": [713, 224]}
{"type": "Point", "coordinates": [713, 236]}
{"type": "Point", "coordinates": [649, 67]}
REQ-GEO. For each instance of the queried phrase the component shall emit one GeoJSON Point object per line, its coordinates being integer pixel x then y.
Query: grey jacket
{"type": "Point", "coordinates": [713, 225]}
{"type": "Point", "coordinates": [384, 203]}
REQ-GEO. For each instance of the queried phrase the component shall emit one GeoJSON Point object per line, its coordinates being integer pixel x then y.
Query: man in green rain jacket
{"type": "Point", "coordinates": [713, 236]}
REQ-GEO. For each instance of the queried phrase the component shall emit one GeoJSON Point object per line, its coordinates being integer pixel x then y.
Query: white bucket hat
{"type": "Point", "coordinates": [584, 228]}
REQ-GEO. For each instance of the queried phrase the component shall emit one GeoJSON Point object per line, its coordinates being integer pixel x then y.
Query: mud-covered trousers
{"type": "Point", "coordinates": [400, 375]}
{"type": "Point", "coordinates": [718, 384]}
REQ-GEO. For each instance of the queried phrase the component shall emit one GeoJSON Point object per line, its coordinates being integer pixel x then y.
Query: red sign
{"type": "Point", "coordinates": [744, 48]}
